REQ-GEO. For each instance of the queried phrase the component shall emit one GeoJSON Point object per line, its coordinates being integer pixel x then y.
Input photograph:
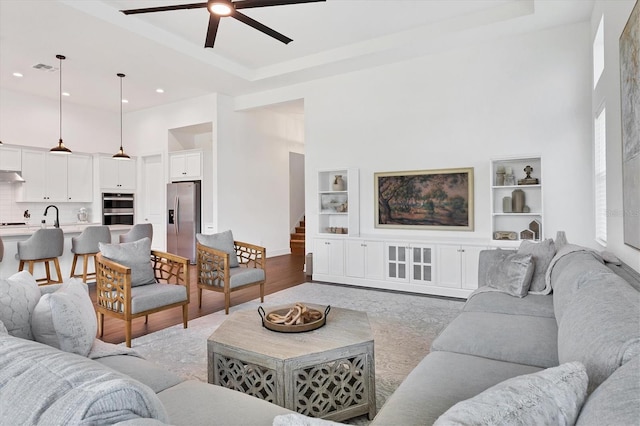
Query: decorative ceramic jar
{"type": "Point", "coordinates": [518, 200]}
{"type": "Point", "coordinates": [338, 183]}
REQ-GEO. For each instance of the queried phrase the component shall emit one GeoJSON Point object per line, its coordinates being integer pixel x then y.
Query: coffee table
{"type": "Point", "coordinates": [328, 372]}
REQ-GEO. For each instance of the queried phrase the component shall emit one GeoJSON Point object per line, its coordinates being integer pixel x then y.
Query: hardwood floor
{"type": "Point", "coordinates": [282, 272]}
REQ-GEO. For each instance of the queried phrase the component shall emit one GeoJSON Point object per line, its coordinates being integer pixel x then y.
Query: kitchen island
{"type": "Point", "coordinates": [12, 234]}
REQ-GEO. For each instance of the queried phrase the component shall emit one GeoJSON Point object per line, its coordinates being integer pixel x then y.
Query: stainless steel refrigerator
{"type": "Point", "coordinates": [183, 205]}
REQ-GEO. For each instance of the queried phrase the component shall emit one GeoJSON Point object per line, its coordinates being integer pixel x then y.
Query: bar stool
{"type": "Point", "coordinates": [137, 232]}
{"type": "Point", "coordinates": [85, 245]}
{"type": "Point", "coordinates": [45, 245]}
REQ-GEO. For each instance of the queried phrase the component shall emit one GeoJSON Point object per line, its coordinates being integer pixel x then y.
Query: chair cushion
{"type": "Point", "coordinates": [19, 295]}
{"type": "Point", "coordinates": [552, 396]}
{"type": "Point", "coordinates": [542, 254]}
{"type": "Point", "coordinates": [66, 319]}
{"type": "Point", "coordinates": [241, 276]}
{"type": "Point", "coordinates": [512, 274]}
{"type": "Point", "coordinates": [222, 241]}
{"type": "Point", "coordinates": [153, 296]}
{"type": "Point", "coordinates": [135, 255]}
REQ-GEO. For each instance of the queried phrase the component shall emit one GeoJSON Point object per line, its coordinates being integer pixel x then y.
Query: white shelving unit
{"type": "Point", "coordinates": [338, 207]}
{"type": "Point", "coordinates": [505, 220]}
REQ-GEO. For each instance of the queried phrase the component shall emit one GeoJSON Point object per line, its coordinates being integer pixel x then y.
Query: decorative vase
{"type": "Point", "coordinates": [338, 183]}
{"type": "Point", "coordinates": [518, 200]}
{"type": "Point", "coordinates": [506, 205]}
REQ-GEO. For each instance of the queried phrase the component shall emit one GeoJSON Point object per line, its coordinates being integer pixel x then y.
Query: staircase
{"type": "Point", "coordinates": [297, 240]}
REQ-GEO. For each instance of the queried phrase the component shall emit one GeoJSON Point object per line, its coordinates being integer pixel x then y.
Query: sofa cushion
{"type": "Point", "coordinates": [550, 397]}
{"type": "Point", "coordinates": [617, 400]}
{"type": "Point", "coordinates": [135, 255]}
{"type": "Point", "coordinates": [43, 385]}
{"type": "Point", "coordinates": [222, 241]}
{"type": "Point", "coordinates": [146, 372]}
{"type": "Point", "coordinates": [512, 275]}
{"type": "Point", "coordinates": [513, 338]}
{"type": "Point", "coordinates": [66, 319]}
{"type": "Point", "coordinates": [600, 329]}
{"type": "Point", "coordinates": [193, 403]}
{"type": "Point", "coordinates": [19, 295]}
{"type": "Point", "coordinates": [542, 253]}
{"type": "Point", "coordinates": [535, 305]}
{"type": "Point", "coordinates": [439, 381]}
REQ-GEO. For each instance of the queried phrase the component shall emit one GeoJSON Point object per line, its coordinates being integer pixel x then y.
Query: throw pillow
{"type": "Point", "coordinates": [542, 254]}
{"type": "Point", "coordinates": [19, 295]}
{"type": "Point", "coordinates": [512, 275]}
{"type": "Point", "coordinates": [66, 319]}
{"type": "Point", "coordinates": [3, 329]}
{"type": "Point", "coordinates": [222, 241]}
{"type": "Point", "coordinates": [552, 396]}
{"type": "Point", "coordinates": [135, 255]}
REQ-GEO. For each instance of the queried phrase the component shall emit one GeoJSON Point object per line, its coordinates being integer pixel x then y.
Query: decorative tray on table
{"type": "Point", "coordinates": [296, 319]}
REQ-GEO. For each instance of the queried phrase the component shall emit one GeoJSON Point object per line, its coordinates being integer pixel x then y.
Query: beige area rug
{"type": "Point", "coordinates": [403, 327]}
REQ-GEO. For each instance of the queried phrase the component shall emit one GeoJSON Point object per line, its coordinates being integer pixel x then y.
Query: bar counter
{"type": "Point", "coordinates": [12, 234]}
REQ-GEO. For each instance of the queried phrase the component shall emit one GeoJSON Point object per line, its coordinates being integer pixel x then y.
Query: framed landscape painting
{"type": "Point", "coordinates": [630, 105]}
{"type": "Point", "coordinates": [428, 199]}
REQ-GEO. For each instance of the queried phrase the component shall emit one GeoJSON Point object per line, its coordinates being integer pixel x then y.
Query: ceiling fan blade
{"type": "Point", "coordinates": [260, 27]}
{"type": "Point", "coordinates": [165, 8]}
{"type": "Point", "coordinates": [214, 20]}
{"type": "Point", "coordinates": [246, 4]}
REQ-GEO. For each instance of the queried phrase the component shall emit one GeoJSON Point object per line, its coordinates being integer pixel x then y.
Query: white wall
{"type": "Point", "coordinates": [616, 14]}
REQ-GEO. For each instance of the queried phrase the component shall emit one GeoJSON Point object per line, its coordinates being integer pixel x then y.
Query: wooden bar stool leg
{"type": "Point", "coordinates": [48, 269]}
{"type": "Point", "coordinates": [85, 261]}
{"type": "Point", "coordinates": [73, 265]}
{"type": "Point", "coordinates": [31, 263]}
{"type": "Point", "coordinates": [57, 265]}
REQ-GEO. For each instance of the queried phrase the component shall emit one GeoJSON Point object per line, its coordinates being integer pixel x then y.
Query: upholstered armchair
{"type": "Point", "coordinates": [225, 265]}
{"type": "Point", "coordinates": [141, 288]}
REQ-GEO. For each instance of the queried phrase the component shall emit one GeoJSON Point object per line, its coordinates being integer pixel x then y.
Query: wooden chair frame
{"type": "Point", "coordinates": [113, 288]}
{"type": "Point", "coordinates": [213, 269]}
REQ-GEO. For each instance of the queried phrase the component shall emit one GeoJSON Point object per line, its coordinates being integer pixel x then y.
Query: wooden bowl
{"type": "Point", "coordinates": [293, 328]}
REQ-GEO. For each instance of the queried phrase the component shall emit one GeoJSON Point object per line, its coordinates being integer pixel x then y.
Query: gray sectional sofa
{"type": "Point", "coordinates": [592, 316]}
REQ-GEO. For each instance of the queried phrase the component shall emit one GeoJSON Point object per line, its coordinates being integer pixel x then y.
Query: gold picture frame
{"type": "Point", "coordinates": [425, 199]}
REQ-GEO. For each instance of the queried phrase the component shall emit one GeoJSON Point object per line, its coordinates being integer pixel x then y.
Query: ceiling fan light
{"type": "Point", "coordinates": [220, 7]}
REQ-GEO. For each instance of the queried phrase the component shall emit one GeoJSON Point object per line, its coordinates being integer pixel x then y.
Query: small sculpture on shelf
{"type": "Point", "coordinates": [528, 180]}
{"type": "Point", "coordinates": [338, 183]}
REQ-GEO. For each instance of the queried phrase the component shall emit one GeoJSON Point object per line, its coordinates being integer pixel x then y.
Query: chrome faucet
{"type": "Point", "coordinates": [56, 222]}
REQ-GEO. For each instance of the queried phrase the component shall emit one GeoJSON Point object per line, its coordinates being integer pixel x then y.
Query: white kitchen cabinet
{"type": "Point", "coordinates": [365, 259]}
{"type": "Point", "coordinates": [45, 176]}
{"type": "Point", "coordinates": [10, 159]}
{"type": "Point", "coordinates": [185, 165]}
{"type": "Point", "coordinates": [458, 266]}
{"type": "Point", "coordinates": [328, 257]}
{"type": "Point", "coordinates": [117, 174]}
{"type": "Point", "coordinates": [79, 178]}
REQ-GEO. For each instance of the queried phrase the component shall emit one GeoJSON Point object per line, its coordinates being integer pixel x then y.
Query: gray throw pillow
{"type": "Point", "coordinates": [135, 255]}
{"type": "Point", "coordinates": [19, 295]}
{"type": "Point", "coordinates": [543, 253]}
{"type": "Point", "coordinates": [65, 319]}
{"type": "Point", "coordinates": [222, 241]}
{"type": "Point", "coordinates": [512, 275]}
{"type": "Point", "coordinates": [549, 397]}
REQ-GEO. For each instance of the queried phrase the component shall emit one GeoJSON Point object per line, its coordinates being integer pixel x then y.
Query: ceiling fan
{"type": "Point", "coordinates": [221, 8]}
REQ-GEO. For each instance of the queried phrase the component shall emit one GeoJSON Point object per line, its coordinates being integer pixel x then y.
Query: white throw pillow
{"type": "Point", "coordinates": [135, 255]}
{"type": "Point", "coordinates": [512, 275]}
{"type": "Point", "coordinates": [549, 397]}
{"type": "Point", "coordinates": [542, 252]}
{"type": "Point", "coordinates": [66, 319]}
{"type": "Point", "coordinates": [19, 295]}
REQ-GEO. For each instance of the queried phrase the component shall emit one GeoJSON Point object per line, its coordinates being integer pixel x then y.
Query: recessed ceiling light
{"type": "Point", "coordinates": [66, 94]}
{"type": "Point", "coordinates": [17, 74]}
{"type": "Point", "coordinates": [159, 90]}
{"type": "Point", "coordinates": [125, 101]}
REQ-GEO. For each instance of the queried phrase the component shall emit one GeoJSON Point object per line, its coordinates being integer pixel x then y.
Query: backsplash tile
{"type": "Point", "coordinates": [12, 211]}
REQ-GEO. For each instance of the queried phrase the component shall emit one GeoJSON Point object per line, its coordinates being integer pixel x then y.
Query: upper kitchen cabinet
{"type": "Point", "coordinates": [45, 176]}
{"type": "Point", "coordinates": [10, 159]}
{"type": "Point", "coordinates": [185, 165]}
{"type": "Point", "coordinates": [117, 174]}
{"type": "Point", "coordinates": [79, 178]}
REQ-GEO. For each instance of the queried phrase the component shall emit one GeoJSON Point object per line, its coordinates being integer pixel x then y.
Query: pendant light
{"type": "Point", "coordinates": [121, 155]}
{"type": "Point", "coordinates": [60, 148]}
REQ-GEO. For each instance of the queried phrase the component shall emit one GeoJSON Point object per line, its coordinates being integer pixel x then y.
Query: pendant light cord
{"type": "Point", "coordinates": [60, 57]}
{"type": "Point", "coordinates": [121, 77]}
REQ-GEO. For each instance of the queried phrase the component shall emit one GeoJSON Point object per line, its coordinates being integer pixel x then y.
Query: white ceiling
{"type": "Point", "coordinates": [165, 49]}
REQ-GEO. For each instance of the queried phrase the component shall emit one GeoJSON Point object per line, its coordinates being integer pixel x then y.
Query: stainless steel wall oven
{"type": "Point", "coordinates": [117, 208]}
